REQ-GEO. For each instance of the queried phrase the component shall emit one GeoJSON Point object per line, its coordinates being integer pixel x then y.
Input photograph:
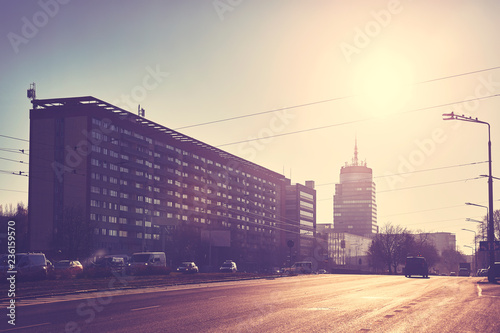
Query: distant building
{"type": "Point", "coordinates": [300, 220]}
{"type": "Point", "coordinates": [344, 251]}
{"type": "Point", "coordinates": [442, 241]}
{"type": "Point", "coordinates": [354, 204]}
{"type": "Point", "coordinates": [111, 181]}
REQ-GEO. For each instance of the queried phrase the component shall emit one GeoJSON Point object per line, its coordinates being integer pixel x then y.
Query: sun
{"type": "Point", "coordinates": [383, 84]}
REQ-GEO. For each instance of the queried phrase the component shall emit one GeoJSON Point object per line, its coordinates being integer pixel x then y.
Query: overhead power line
{"type": "Point", "coordinates": [355, 121]}
{"type": "Point", "coordinates": [13, 138]}
{"type": "Point", "coordinates": [11, 160]}
{"type": "Point", "coordinates": [418, 186]}
{"type": "Point", "coordinates": [328, 100]}
{"type": "Point", "coordinates": [416, 171]}
{"type": "Point", "coordinates": [4, 189]}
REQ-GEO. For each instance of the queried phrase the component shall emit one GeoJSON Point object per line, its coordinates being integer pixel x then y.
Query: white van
{"type": "Point", "coordinates": [148, 263]}
{"type": "Point", "coordinates": [300, 267]}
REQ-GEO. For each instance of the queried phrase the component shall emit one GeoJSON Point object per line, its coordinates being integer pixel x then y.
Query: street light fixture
{"type": "Point", "coordinates": [491, 234]}
{"type": "Point", "coordinates": [475, 247]}
{"type": "Point", "coordinates": [487, 214]}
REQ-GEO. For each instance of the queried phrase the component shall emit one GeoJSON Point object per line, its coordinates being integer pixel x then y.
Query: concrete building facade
{"type": "Point", "coordinates": [105, 179]}
{"type": "Point", "coordinates": [300, 217]}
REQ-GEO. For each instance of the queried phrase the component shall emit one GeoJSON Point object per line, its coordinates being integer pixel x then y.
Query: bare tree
{"type": "Point", "coordinates": [391, 246]}
{"type": "Point", "coordinates": [425, 247]}
{"type": "Point", "coordinates": [19, 215]}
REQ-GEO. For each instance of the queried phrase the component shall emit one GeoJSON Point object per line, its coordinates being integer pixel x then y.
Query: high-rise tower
{"type": "Point", "coordinates": [354, 205]}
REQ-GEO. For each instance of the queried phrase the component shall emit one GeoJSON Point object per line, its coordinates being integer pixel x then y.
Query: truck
{"type": "Point", "coordinates": [464, 269]}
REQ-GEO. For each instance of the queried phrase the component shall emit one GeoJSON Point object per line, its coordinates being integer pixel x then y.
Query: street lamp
{"type": "Point", "coordinates": [491, 234]}
{"type": "Point", "coordinates": [487, 215]}
{"type": "Point", "coordinates": [475, 247]}
{"type": "Point", "coordinates": [472, 220]}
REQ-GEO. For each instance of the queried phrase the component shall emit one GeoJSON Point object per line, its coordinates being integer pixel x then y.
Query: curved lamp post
{"type": "Point", "coordinates": [491, 234]}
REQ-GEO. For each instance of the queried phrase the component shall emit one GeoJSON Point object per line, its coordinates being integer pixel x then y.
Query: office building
{"type": "Point", "coordinates": [300, 220]}
{"type": "Point", "coordinates": [354, 204]}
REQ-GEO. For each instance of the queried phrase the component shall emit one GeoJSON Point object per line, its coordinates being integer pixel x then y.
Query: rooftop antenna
{"type": "Point", "coordinates": [32, 91]}
{"type": "Point", "coordinates": [141, 112]}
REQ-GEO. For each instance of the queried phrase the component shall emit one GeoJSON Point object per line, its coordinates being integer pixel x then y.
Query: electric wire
{"type": "Point", "coordinates": [329, 100]}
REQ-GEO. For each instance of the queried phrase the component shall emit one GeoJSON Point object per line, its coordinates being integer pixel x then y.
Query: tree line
{"type": "Point", "coordinates": [393, 244]}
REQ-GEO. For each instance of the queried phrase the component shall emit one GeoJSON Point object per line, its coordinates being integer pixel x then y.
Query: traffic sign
{"type": "Point", "coordinates": [488, 246]}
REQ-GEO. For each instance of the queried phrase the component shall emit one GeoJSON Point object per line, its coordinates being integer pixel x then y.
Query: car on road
{"type": "Point", "coordinates": [187, 267]}
{"type": "Point", "coordinates": [105, 266]}
{"type": "Point", "coordinates": [416, 266]}
{"type": "Point", "coordinates": [29, 266]}
{"type": "Point", "coordinates": [494, 272]}
{"type": "Point", "coordinates": [482, 272]}
{"type": "Point", "coordinates": [300, 267]}
{"type": "Point", "coordinates": [463, 272]}
{"type": "Point", "coordinates": [148, 263]}
{"type": "Point", "coordinates": [228, 266]}
{"type": "Point", "coordinates": [67, 269]}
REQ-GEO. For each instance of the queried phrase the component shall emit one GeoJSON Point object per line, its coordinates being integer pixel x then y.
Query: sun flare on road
{"type": "Point", "coordinates": [382, 84]}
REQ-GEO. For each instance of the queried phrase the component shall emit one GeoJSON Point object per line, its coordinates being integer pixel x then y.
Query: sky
{"type": "Point", "coordinates": [289, 85]}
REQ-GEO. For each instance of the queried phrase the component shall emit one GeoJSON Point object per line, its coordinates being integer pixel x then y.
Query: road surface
{"type": "Point", "coordinates": [313, 303]}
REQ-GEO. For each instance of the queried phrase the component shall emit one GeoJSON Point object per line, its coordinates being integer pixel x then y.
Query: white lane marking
{"type": "Point", "coordinates": [146, 308]}
{"type": "Point", "coordinates": [479, 291]}
{"type": "Point", "coordinates": [216, 297]}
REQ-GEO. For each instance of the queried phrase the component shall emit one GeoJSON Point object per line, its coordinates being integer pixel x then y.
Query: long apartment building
{"type": "Point", "coordinates": [105, 179]}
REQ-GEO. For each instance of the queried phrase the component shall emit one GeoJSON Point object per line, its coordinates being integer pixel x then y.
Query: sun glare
{"type": "Point", "coordinates": [382, 84]}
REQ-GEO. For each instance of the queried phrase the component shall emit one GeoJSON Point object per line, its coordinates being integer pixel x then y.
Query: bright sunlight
{"type": "Point", "coordinates": [382, 84]}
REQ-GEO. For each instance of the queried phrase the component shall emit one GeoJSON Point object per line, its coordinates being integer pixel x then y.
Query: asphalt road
{"type": "Point", "coordinates": [314, 303]}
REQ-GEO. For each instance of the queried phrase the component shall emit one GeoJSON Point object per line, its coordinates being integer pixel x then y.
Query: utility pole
{"type": "Point", "coordinates": [490, 233]}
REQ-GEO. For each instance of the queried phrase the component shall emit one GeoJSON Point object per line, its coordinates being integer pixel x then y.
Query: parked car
{"type": "Point", "coordinates": [416, 266]}
{"type": "Point", "coordinates": [494, 272]}
{"type": "Point", "coordinates": [105, 266]}
{"type": "Point", "coordinates": [148, 263]}
{"type": "Point", "coordinates": [67, 269]}
{"type": "Point", "coordinates": [29, 266]}
{"type": "Point", "coordinates": [228, 266]}
{"type": "Point", "coordinates": [187, 267]}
